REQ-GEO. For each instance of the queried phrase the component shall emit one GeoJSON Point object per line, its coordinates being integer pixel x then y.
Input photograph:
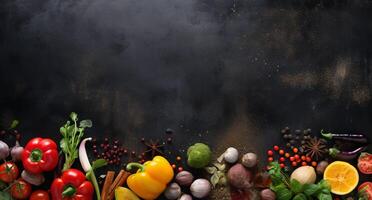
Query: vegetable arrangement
{"type": "Point", "coordinates": [305, 167]}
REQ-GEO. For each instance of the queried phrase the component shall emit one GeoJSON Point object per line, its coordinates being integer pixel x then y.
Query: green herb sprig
{"type": "Point", "coordinates": [286, 189]}
{"type": "Point", "coordinates": [71, 136]}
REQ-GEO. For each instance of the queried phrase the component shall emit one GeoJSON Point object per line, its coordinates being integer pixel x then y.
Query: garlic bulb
{"type": "Point", "coordinates": [231, 155]}
{"type": "Point", "coordinates": [304, 175]}
{"type": "Point", "coordinates": [185, 197]}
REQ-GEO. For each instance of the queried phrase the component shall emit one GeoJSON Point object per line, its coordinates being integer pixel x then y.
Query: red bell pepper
{"type": "Point", "coordinates": [40, 155]}
{"type": "Point", "coordinates": [72, 186]}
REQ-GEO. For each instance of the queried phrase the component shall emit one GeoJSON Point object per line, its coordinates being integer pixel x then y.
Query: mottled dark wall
{"type": "Point", "coordinates": [230, 72]}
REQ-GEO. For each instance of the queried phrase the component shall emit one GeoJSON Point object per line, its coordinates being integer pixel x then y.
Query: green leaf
{"type": "Point", "coordinates": [5, 195]}
{"type": "Point", "coordinates": [210, 170]}
{"type": "Point", "coordinates": [73, 116]}
{"type": "Point", "coordinates": [299, 196]}
{"type": "Point", "coordinates": [278, 187]}
{"type": "Point", "coordinates": [323, 196]}
{"type": "Point", "coordinates": [215, 178]}
{"type": "Point", "coordinates": [99, 163]}
{"type": "Point", "coordinates": [63, 145]}
{"type": "Point", "coordinates": [284, 194]}
{"type": "Point", "coordinates": [324, 184]}
{"type": "Point", "coordinates": [311, 189]}
{"type": "Point", "coordinates": [14, 124]}
{"type": "Point", "coordinates": [296, 186]}
{"type": "Point", "coordinates": [3, 185]}
{"type": "Point", "coordinates": [86, 123]}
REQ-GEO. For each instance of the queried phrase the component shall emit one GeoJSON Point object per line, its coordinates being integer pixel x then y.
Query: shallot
{"type": "Point", "coordinates": [4, 150]}
{"type": "Point", "coordinates": [200, 188]}
{"type": "Point", "coordinates": [16, 152]}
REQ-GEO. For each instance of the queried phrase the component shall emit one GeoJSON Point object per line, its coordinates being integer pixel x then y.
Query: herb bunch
{"type": "Point", "coordinates": [71, 136]}
{"type": "Point", "coordinates": [286, 189]}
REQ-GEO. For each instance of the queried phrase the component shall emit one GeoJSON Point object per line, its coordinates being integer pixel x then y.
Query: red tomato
{"type": "Point", "coordinates": [365, 190]}
{"type": "Point", "coordinates": [21, 189]}
{"type": "Point", "coordinates": [365, 163]}
{"type": "Point", "coordinates": [39, 195]}
{"type": "Point", "coordinates": [8, 172]}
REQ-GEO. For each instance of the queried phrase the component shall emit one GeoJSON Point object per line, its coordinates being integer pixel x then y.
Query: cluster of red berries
{"type": "Point", "coordinates": [111, 152]}
{"type": "Point", "coordinates": [294, 158]}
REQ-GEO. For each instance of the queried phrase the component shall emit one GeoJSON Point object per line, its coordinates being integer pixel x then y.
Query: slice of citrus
{"type": "Point", "coordinates": [342, 177]}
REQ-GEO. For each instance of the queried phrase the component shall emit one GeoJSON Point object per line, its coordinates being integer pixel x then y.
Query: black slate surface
{"type": "Point", "coordinates": [228, 73]}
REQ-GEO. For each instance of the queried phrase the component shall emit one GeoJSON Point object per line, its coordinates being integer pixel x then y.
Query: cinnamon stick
{"type": "Point", "coordinates": [108, 181]}
{"type": "Point", "coordinates": [119, 180]}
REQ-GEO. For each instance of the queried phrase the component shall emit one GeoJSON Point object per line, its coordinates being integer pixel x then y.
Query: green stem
{"type": "Point", "coordinates": [69, 191]}
{"type": "Point", "coordinates": [139, 166]}
{"type": "Point", "coordinates": [93, 179]}
{"type": "Point", "coordinates": [326, 135]}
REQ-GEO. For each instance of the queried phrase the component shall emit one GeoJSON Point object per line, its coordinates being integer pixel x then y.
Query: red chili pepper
{"type": "Point", "coordinates": [72, 186]}
{"type": "Point", "coordinates": [40, 155]}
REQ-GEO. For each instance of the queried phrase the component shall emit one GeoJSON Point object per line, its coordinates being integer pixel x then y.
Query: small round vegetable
{"type": "Point", "coordinates": [184, 178]}
{"type": "Point", "coordinates": [231, 155]}
{"type": "Point", "coordinates": [270, 153]}
{"type": "Point", "coordinates": [4, 150]}
{"type": "Point", "coordinates": [21, 189]}
{"type": "Point", "coordinates": [39, 195]}
{"type": "Point", "coordinates": [198, 155]}
{"type": "Point", "coordinates": [249, 160]}
{"type": "Point", "coordinates": [33, 179]}
{"type": "Point", "coordinates": [322, 165]}
{"type": "Point", "coordinates": [267, 194]}
{"type": "Point", "coordinates": [200, 188]}
{"type": "Point", "coordinates": [239, 177]}
{"type": "Point", "coordinates": [304, 175]}
{"type": "Point", "coordinates": [276, 148]}
{"type": "Point", "coordinates": [16, 152]}
{"type": "Point", "coordinates": [8, 172]}
{"type": "Point", "coordinates": [185, 197]}
{"type": "Point", "coordinates": [281, 152]}
{"type": "Point", "coordinates": [173, 191]}
{"type": "Point", "coordinates": [295, 150]}
{"type": "Point", "coordinates": [270, 159]}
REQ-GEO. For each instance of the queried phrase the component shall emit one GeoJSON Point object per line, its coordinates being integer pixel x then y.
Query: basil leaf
{"type": "Point", "coordinates": [300, 196]}
{"type": "Point", "coordinates": [86, 123]}
{"type": "Point", "coordinates": [324, 184]}
{"type": "Point", "coordinates": [311, 189]}
{"type": "Point", "coordinates": [99, 163]}
{"type": "Point", "coordinates": [296, 186]}
{"type": "Point", "coordinates": [284, 194]}
{"type": "Point", "coordinates": [323, 196]}
{"type": "Point", "coordinates": [278, 187]}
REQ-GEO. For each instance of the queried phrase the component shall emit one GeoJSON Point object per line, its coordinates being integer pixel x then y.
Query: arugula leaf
{"type": "Point", "coordinates": [299, 196]}
{"type": "Point", "coordinates": [99, 163]}
{"type": "Point", "coordinates": [311, 189]}
{"type": "Point", "coordinates": [296, 186]}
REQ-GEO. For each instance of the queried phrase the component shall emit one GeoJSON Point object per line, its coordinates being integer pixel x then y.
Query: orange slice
{"type": "Point", "coordinates": [342, 177]}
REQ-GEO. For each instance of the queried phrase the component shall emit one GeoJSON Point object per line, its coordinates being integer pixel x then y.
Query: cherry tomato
{"type": "Point", "coordinates": [294, 164]}
{"type": "Point", "coordinates": [292, 159]}
{"type": "Point", "coordinates": [314, 164]}
{"type": "Point", "coordinates": [270, 159]}
{"type": "Point", "coordinates": [21, 189]}
{"type": "Point", "coordinates": [287, 155]}
{"type": "Point", "coordinates": [282, 165]}
{"type": "Point", "coordinates": [308, 159]}
{"type": "Point", "coordinates": [303, 158]}
{"type": "Point", "coordinates": [270, 153]}
{"type": "Point", "coordinates": [39, 195]}
{"type": "Point", "coordinates": [8, 172]}
{"type": "Point", "coordinates": [297, 156]}
{"type": "Point", "coordinates": [365, 163]}
{"type": "Point", "coordinates": [295, 150]}
{"type": "Point", "coordinates": [365, 190]}
{"type": "Point", "coordinates": [304, 164]}
{"type": "Point", "coordinates": [276, 148]}
{"type": "Point", "coordinates": [281, 152]}
{"type": "Point", "coordinates": [282, 159]}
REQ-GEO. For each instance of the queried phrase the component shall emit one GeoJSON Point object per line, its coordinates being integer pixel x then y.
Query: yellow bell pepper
{"type": "Point", "coordinates": [122, 193]}
{"type": "Point", "coordinates": [151, 178]}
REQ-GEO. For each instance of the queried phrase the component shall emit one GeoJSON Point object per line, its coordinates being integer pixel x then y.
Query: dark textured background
{"type": "Point", "coordinates": [226, 72]}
